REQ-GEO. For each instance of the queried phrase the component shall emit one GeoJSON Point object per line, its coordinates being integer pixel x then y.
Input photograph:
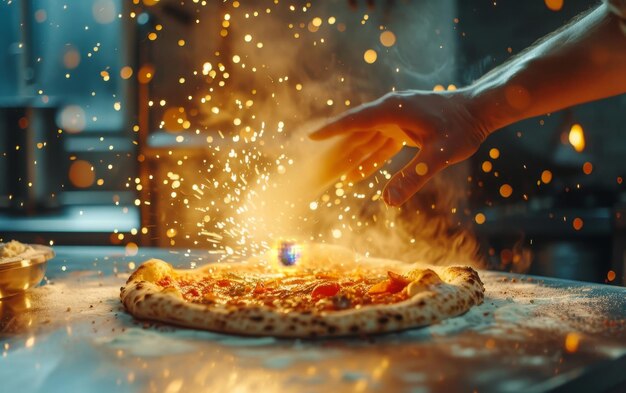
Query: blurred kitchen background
{"type": "Point", "coordinates": [106, 106]}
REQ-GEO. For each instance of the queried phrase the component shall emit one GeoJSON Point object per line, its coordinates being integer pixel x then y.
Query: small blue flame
{"type": "Point", "coordinates": [288, 253]}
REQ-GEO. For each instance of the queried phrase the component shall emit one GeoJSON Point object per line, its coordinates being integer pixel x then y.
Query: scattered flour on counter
{"type": "Point", "coordinates": [148, 343]}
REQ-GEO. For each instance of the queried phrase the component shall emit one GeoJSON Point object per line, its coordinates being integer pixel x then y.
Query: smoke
{"type": "Point", "coordinates": [275, 71]}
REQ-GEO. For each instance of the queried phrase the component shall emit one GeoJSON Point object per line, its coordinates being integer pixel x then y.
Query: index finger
{"type": "Point", "coordinates": [365, 117]}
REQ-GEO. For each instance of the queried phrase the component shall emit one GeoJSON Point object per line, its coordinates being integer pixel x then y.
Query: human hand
{"type": "Point", "coordinates": [442, 124]}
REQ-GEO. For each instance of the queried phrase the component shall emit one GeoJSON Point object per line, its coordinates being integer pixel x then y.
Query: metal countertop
{"type": "Point", "coordinates": [532, 334]}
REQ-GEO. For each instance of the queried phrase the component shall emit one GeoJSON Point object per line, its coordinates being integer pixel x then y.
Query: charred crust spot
{"type": "Point", "coordinates": [313, 334]}
{"type": "Point", "coordinates": [383, 320]}
{"type": "Point", "coordinates": [257, 318]}
{"type": "Point", "coordinates": [292, 327]}
{"type": "Point", "coordinates": [354, 328]}
{"type": "Point", "coordinates": [268, 328]}
{"type": "Point", "coordinates": [148, 296]}
{"type": "Point", "coordinates": [421, 303]}
{"type": "Point", "coordinates": [332, 329]}
{"type": "Point", "coordinates": [398, 317]}
{"type": "Point", "coordinates": [139, 286]}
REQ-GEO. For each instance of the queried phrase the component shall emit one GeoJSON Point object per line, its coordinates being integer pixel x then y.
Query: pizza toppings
{"type": "Point", "coordinates": [329, 295]}
{"type": "Point", "coordinates": [303, 290]}
{"type": "Point", "coordinates": [326, 289]}
{"type": "Point", "coordinates": [394, 284]}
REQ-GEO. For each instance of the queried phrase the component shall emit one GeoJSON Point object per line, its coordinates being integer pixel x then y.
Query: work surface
{"type": "Point", "coordinates": [531, 334]}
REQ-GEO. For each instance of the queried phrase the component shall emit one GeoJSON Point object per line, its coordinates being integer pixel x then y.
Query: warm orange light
{"type": "Point", "coordinates": [506, 190]}
{"type": "Point", "coordinates": [494, 153]}
{"type": "Point", "coordinates": [439, 88]}
{"type": "Point", "coordinates": [126, 72]}
{"type": "Point", "coordinates": [577, 223]}
{"type": "Point", "coordinates": [572, 342]}
{"type": "Point", "coordinates": [611, 275]}
{"type": "Point", "coordinates": [82, 174]}
{"type": "Point", "coordinates": [480, 218]}
{"type": "Point", "coordinates": [546, 176]}
{"type": "Point", "coordinates": [587, 168]}
{"type": "Point", "coordinates": [554, 5]}
{"type": "Point", "coordinates": [577, 137]}
{"type": "Point", "coordinates": [370, 56]}
{"type": "Point", "coordinates": [174, 119]}
{"type": "Point", "coordinates": [487, 166]}
{"type": "Point", "coordinates": [387, 38]}
{"type": "Point", "coordinates": [421, 169]}
{"type": "Point", "coordinates": [146, 73]}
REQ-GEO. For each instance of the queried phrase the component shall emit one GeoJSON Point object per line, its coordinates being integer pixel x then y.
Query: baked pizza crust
{"type": "Point", "coordinates": [433, 300]}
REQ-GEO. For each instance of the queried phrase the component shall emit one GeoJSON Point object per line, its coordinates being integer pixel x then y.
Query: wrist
{"type": "Point", "coordinates": [487, 113]}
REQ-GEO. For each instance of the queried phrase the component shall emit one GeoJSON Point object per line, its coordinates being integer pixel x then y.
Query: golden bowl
{"type": "Point", "coordinates": [17, 274]}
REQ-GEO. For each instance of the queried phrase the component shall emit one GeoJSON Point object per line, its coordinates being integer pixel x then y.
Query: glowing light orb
{"type": "Point", "coordinates": [576, 138]}
{"type": "Point", "coordinates": [288, 253]}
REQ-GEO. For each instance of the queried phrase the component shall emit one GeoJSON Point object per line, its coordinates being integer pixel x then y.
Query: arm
{"type": "Point", "coordinates": [582, 62]}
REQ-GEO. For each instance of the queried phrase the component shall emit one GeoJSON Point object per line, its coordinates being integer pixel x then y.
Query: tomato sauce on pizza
{"type": "Point", "coordinates": [301, 291]}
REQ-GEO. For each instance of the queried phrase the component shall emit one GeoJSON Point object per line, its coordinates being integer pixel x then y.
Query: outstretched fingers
{"type": "Point", "coordinates": [375, 161]}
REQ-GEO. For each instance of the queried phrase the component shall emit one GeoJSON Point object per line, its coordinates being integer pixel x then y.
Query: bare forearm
{"type": "Point", "coordinates": [584, 62]}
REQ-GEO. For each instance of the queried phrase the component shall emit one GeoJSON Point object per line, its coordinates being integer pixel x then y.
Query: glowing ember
{"type": "Point", "coordinates": [572, 342]}
{"type": "Point", "coordinates": [289, 253]}
{"type": "Point", "coordinates": [611, 275]}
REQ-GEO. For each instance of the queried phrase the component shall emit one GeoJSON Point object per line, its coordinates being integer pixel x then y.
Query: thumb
{"type": "Point", "coordinates": [413, 176]}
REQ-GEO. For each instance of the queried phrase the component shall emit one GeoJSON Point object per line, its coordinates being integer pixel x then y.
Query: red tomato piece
{"type": "Point", "coordinates": [325, 289]}
{"type": "Point", "coordinates": [397, 282]}
{"type": "Point", "coordinates": [193, 292]}
{"type": "Point", "coordinates": [259, 288]}
{"type": "Point", "coordinates": [223, 283]}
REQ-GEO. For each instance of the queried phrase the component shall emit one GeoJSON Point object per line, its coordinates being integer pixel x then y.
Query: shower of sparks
{"type": "Point", "coordinates": [246, 193]}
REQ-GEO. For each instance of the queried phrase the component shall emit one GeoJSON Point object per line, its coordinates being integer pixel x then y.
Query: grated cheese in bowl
{"type": "Point", "coordinates": [13, 249]}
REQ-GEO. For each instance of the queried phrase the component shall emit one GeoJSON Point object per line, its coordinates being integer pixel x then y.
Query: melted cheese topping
{"type": "Point", "coordinates": [304, 290]}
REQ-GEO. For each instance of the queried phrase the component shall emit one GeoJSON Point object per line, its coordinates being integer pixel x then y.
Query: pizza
{"type": "Point", "coordinates": [330, 291]}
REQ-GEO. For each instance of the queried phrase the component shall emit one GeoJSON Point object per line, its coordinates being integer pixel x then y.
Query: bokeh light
{"type": "Point", "coordinates": [387, 38]}
{"type": "Point", "coordinates": [576, 138]}
{"type": "Point", "coordinates": [81, 174]}
{"type": "Point", "coordinates": [370, 56]}
{"type": "Point", "coordinates": [72, 119]}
